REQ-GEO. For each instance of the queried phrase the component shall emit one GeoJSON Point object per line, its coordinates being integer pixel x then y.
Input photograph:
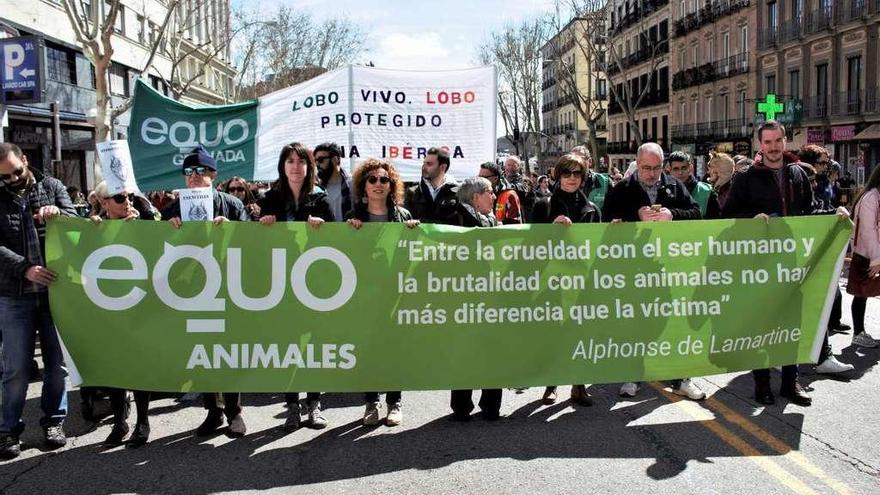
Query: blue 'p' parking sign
{"type": "Point", "coordinates": [21, 70]}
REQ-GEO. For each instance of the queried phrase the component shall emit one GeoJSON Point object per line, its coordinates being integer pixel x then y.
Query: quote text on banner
{"type": "Point", "coordinates": [247, 307]}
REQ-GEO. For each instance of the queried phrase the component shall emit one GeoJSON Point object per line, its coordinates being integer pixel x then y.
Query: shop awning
{"type": "Point", "coordinates": [30, 111]}
{"type": "Point", "coordinates": [870, 133]}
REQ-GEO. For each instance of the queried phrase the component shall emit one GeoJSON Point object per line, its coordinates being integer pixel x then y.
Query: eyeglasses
{"type": "Point", "coordinates": [6, 178]}
{"type": "Point", "coordinates": [569, 173]}
{"type": "Point", "coordinates": [382, 180]}
{"type": "Point", "coordinates": [120, 198]}
{"type": "Point", "coordinates": [189, 171]}
{"type": "Point", "coordinates": [236, 189]}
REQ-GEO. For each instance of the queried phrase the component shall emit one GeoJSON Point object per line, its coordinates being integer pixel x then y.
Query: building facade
{"type": "Point", "coordinates": [638, 71]}
{"type": "Point", "coordinates": [70, 77]}
{"type": "Point", "coordinates": [713, 77]}
{"type": "Point", "coordinates": [825, 53]}
{"type": "Point", "coordinates": [573, 79]}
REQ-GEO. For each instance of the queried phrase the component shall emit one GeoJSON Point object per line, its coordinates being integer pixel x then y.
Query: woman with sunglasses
{"type": "Point", "coordinates": [295, 197]}
{"type": "Point", "coordinates": [378, 194]}
{"type": "Point", "coordinates": [239, 188]}
{"type": "Point", "coordinates": [567, 205]}
{"type": "Point", "coordinates": [125, 205]}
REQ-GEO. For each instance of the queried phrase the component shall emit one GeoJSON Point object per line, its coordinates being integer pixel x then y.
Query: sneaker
{"type": "Point", "coordinates": [371, 414]}
{"type": "Point", "coordinates": [864, 340]}
{"type": "Point", "coordinates": [316, 418]}
{"type": "Point", "coordinates": [629, 389]}
{"type": "Point", "coordinates": [839, 328]}
{"type": "Point", "coordinates": [831, 366]}
{"type": "Point", "coordinates": [117, 435]}
{"type": "Point", "coordinates": [140, 436]}
{"type": "Point", "coordinates": [549, 396]}
{"type": "Point", "coordinates": [293, 417]}
{"type": "Point", "coordinates": [54, 436]}
{"type": "Point", "coordinates": [211, 423]}
{"type": "Point", "coordinates": [237, 428]}
{"type": "Point", "coordinates": [10, 447]}
{"type": "Point", "coordinates": [690, 390]}
{"type": "Point", "coordinates": [395, 415]}
{"type": "Point", "coordinates": [580, 396]}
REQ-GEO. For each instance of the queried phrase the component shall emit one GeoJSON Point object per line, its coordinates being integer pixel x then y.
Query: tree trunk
{"type": "Point", "coordinates": [102, 95]}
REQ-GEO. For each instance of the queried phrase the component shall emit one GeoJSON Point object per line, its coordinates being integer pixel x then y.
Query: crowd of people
{"type": "Point", "coordinates": [313, 187]}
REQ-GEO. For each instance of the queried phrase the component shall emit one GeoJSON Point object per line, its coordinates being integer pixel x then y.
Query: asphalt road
{"type": "Point", "coordinates": [654, 443]}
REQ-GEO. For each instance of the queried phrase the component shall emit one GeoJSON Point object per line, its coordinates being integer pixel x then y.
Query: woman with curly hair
{"type": "Point", "coordinates": [378, 194]}
{"type": "Point", "coordinates": [239, 188]}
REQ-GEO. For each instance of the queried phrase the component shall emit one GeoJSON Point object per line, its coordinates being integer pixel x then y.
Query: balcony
{"type": "Point", "coordinates": [718, 130]}
{"type": "Point", "coordinates": [847, 103]}
{"type": "Point", "coordinates": [548, 106]}
{"type": "Point", "coordinates": [643, 54]}
{"type": "Point", "coordinates": [818, 20]}
{"type": "Point", "coordinates": [849, 11]}
{"type": "Point", "coordinates": [714, 71]}
{"type": "Point", "coordinates": [549, 82]}
{"type": "Point", "coordinates": [711, 12]}
{"type": "Point", "coordinates": [652, 98]}
{"type": "Point", "coordinates": [632, 17]}
{"type": "Point", "coordinates": [768, 38]}
{"type": "Point", "coordinates": [842, 104]}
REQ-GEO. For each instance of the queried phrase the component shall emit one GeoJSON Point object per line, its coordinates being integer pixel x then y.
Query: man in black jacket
{"type": "Point", "coordinates": [650, 195]}
{"type": "Point", "coordinates": [199, 170]}
{"type": "Point", "coordinates": [773, 187]}
{"type": "Point", "coordinates": [433, 199]}
{"type": "Point", "coordinates": [27, 200]}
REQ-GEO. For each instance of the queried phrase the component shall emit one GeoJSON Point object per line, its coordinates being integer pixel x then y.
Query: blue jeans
{"type": "Point", "coordinates": [21, 318]}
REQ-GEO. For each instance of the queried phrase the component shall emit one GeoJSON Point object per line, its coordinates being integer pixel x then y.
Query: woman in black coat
{"type": "Point", "coordinates": [567, 205]}
{"type": "Point", "coordinates": [295, 197]}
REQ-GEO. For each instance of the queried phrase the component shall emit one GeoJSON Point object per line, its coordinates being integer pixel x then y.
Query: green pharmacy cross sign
{"type": "Point", "coordinates": [770, 107]}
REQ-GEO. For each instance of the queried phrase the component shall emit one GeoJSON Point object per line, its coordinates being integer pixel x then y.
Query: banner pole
{"type": "Point", "coordinates": [348, 120]}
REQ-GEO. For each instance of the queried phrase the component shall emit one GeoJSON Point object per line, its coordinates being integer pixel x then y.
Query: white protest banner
{"type": "Point", "coordinates": [116, 166]}
{"type": "Point", "coordinates": [368, 112]}
{"type": "Point", "coordinates": [196, 204]}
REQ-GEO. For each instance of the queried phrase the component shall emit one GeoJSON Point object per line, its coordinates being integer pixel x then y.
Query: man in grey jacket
{"type": "Point", "coordinates": [27, 200]}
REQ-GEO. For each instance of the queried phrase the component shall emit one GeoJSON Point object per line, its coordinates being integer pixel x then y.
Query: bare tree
{"type": "Point", "coordinates": [289, 47]}
{"type": "Point", "coordinates": [586, 33]}
{"type": "Point", "coordinates": [515, 51]}
{"type": "Point", "coordinates": [94, 30]}
{"type": "Point", "coordinates": [617, 59]}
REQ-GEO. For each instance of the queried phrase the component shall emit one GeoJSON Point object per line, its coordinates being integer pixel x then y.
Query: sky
{"type": "Point", "coordinates": [421, 34]}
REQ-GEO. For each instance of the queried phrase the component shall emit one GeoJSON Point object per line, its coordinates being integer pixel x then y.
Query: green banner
{"type": "Point", "coordinates": [163, 131]}
{"type": "Point", "coordinates": [248, 307]}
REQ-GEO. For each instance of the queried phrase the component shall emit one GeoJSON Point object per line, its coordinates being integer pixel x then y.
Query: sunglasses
{"type": "Point", "coordinates": [236, 189]}
{"type": "Point", "coordinates": [120, 198]}
{"type": "Point", "coordinates": [382, 180]}
{"type": "Point", "coordinates": [569, 173]}
{"type": "Point", "coordinates": [14, 176]}
{"type": "Point", "coordinates": [189, 171]}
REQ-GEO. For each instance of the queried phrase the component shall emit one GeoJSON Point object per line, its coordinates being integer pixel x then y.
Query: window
{"type": "Point", "coordinates": [725, 107]}
{"type": "Point", "coordinates": [797, 9]}
{"type": "Point", "coordinates": [601, 89]}
{"type": "Point", "coordinates": [742, 105]}
{"type": "Point", "coordinates": [725, 45]}
{"type": "Point", "coordinates": [119, 22]}
{"type": "Point", "coordinates": [141, 30]}
{"type": "Point", "coordinates": [744, 39]}
{"type": "Point", "coordinates": [696, 111]}
{"type": "Point", "coordinates": [708, 108]}
{"type": "Point", "coordinates": [772, 16]}
{"type": "Point", "coordinates": [60, 66]}
{"type": "Point", "coordinates": [119, 80]}
{"type": "Point", "coordinates": [696, 55]}
{"type": "Point", "coordinates": [821, 89]}
{"type": "Point", "coordinates": [682, 112]}
{"type": "Point", "coordinates": [770, 84]}
{"type": "Point", "coordinates": [854, 74]}
{"type": "Point", "coordinates": [665, 127]}
{"type": "Point", "coordinates": [710, 51]}
{"type": "Point", "coordinates": [794, 83]}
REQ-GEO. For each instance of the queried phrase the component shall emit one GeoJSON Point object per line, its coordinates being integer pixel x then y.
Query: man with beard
{"type": "Point", "coordinates": [333, 179]}
{"type": "Point", "coordinates": [434, 198]}
{"type": "Point", "coordinates": [27, 200]}
{"type": "Point", "coordinates": [515, 180]}
{"type": "Point", "coordinates": [773, 187]}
